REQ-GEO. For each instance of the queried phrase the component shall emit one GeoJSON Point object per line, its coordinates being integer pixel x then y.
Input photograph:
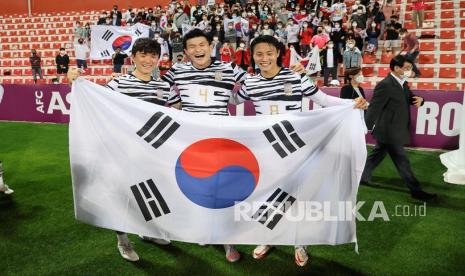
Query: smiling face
{"type": "Point", "coordinates": [265, 55]}
{"type": "Point", "coordinates": [198, 51]}
{"type": "Point", "coordinates": [145, 62]}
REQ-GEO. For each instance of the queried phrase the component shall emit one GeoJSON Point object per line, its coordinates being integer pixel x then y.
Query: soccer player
{"type": "Point", "coordinates": [139, 84]}
{"type": "Point", "coordinates": [3, 187]}
{"type": "Point", "coordinates": [277, 90]}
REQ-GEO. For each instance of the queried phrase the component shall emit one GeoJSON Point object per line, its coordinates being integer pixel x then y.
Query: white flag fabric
{"type": "Point", "coordinates": [105, 39]}
{"type": "Point", "coordinates": [314, 64]}
{"type": "Point", "coordinates": [160, 172]}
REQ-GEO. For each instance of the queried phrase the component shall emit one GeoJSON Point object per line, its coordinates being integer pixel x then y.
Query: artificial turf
{"type": "Point", "coordinates": [40, 236]}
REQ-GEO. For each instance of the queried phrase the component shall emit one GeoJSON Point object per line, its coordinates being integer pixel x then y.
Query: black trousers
{"type": "Point", "coordinates": [400, 159]}
{"type": "Point", "coordinates": [327, 72]}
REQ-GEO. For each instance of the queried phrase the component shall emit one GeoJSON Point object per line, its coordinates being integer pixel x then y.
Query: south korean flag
{"type": "Point", "coordinates": [105, 39]}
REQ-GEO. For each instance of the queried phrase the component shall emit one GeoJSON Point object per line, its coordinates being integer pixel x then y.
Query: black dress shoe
{"type": "Point", "coordinates": [423, 196]}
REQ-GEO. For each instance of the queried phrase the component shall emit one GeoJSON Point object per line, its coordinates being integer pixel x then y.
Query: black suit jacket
{"type": "Point", "coordinates": [348, 92]}
{"type": "Point", "coordinates": [388, 114]}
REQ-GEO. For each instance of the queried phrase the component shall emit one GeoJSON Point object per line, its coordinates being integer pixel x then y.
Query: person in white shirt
{"type": "Point", "coordinates": [82, 53]}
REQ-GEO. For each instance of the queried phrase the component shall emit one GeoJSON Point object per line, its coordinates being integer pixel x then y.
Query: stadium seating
{"type": "Point", "coordinates": [441, 59]}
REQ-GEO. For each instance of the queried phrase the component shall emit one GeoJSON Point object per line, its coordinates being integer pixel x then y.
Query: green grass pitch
{"type": "Point", "coordinates": [40, 236]}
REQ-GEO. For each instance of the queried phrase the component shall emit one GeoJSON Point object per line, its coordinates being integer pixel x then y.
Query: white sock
{"type": "Point", "coordinates": [122, 238]}
{"type": "Point", "coordinates": [2, 184]}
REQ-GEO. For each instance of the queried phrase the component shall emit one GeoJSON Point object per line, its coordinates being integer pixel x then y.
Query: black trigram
{"type": "Point", "coordinates": [151, 200]}
{"type": "Point", "coordinates": [138, 33]}
{"type": "Point", "coordinates": [273, 210]}
{"type": "Point", "coordinates": [105, 53]}
{"type": "Point", "coordinates": [163, 127]}
{"type": "Point", "coordinates": [279, 137]}
{"type": "Point", "coordinates": [107, 35]}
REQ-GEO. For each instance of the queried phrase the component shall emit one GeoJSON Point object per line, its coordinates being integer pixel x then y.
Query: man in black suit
{"type": "Point", "coordinates": [388, 117]}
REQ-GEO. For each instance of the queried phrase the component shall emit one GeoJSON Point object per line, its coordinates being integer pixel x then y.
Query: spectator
{"type": "Point", "coordinates": [266, 30]}
{"type": "Point", "coordinates": [115, 19]}
{"type": "Point", "coordinates": [353, 89]}
{"type": "Point", "coordinates": [388, 9]}
{"type": "Point", "coordinates": [330, 60]}
{"type": "Point", "coordinates": [226, 52]}
{"type": "Point", "coordinates": [164, 64]}
{"type": "Point", "coordinates": [127, 14]}
{"type": "Point", "coordinates": [360, 18]}
{"type": "Point", "coordinates": [180, 18]}
{"type": "Point", "coordinates": [62, 62]}
{"type": "Point", "coordinates": [352, 56]}
{"type": "Point", "coordinates": [242, 56]}
{"type": "Point", "coordinates": [280, 32]}
{"type": "Point", "coordinates": [116, 12]}
{"type": "Point", "coordinates": [320, 39]}
{"type": "Point", "coordinates": [338, 10]}
{"type": "Point", "coordinates": [102, 19]}
{"type": "Point", "coordinates": [372, 38]}
{"type": "Point", "coordinates": [218, 31]}
{"type": "Point", "coordinates": [292, 31]}
{"type": "Point", "coordinates": [230, 35]}
{"type": "Point", "coordinates": [87, 32]}
{"type": "Point", "coordinates": [81, 51]}
{"type": "Point", "coordinates": [118, 60]}
{"type": "Point", "coordinates": [177, 47]}
{"type": "Point", "coordinates": [79, 32]}
{"type": "Point", "coordinates": [306, 34]}
{"type": "Point", "coordinates": [35, 61]}
{"type": "Point", "coordinates": [410, 49]}
{"type": "Point", "coordinates": [392, 42]}
{"type": "Point", "coordinates": [337, 35]}
{"type": "Point", "coordinates": [132, 19]}
{"type": "Point", "coordinates": [418, 12]}
{"type": "Point", "coordinates": [216, 46]}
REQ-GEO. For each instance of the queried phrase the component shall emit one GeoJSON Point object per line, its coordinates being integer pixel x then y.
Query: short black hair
{"type": "Point", "coordinates": [146, 45]}
{"type": "Point", "coordinates": [399, 61]}
{"type": "Point", "coordinates": [193, 34]}
{"type": "Point", "coordinates": [62, 49]}
{"type": "Point", "coordinates": [352, 72]}
{"type": "Point", "coordinates": [271, 40]}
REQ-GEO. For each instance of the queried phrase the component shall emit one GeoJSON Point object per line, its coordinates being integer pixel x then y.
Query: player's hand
{"type": "Point", "coordinates": [115, 75]}
{"type": "Point", "coordinates": [298, 68]}
{"type": "Point", "coordinates": [417, 101]}
{"type": "Point", "coordinates": [73, 74]}
{"type": "Point", "coordinates": [361, 103]}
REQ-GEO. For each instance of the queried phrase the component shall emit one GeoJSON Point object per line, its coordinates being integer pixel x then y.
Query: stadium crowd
{"type": "Point", "coordinates": [344, 31]}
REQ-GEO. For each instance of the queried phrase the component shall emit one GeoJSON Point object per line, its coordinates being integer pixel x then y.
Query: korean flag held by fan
{"type": "Point", "coordinates": [105, 39]}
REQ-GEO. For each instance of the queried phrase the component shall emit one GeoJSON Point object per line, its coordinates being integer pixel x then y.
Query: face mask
{"type": "Point", "coordinates": [280, 26]}
{"type": "Point", "coordinates": [359, 12]}
{"type": "Point", "coordinates": [407, 74]}
{"type": "Point", "coordinates": [336, 26]}
{"type": "Point", "coordinates": [230, 27]}
{"type": "Point", "coordinates": [305, 25]}
{"type": "Point", "coordinates": [325, 4]}
{"type": "Point", "coordinates": [373, 25]}
{"type": "Point", "coordinates": [290, 23]}
{"type": "Point", "coordinates": [154, 24]}
{"type": "Point", "coordinates": [218, 28]}
{"type": "Point", "coordinates": [350, 46]}
{"type": "Point", "coordinates": [360, 78]}
{"type": "Point", "coordinates": [266, 26]}
{"type": "Point", "coordinates": [253, 8]}
{"type": "Point", "coordinates": [330, 46]}
{"type": "Point", "coordinates": [215, 39]}
{"type": "Point", "coordinates": [357, 2]}
{"type": "Point", "coordinates": [242, 45]}
{"type": "Point", "coordinates": [254, 27]}
{"type": "Point", "coordinates": [354, 7]}
{"type": "Point", "coordinates": [354, 25]}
